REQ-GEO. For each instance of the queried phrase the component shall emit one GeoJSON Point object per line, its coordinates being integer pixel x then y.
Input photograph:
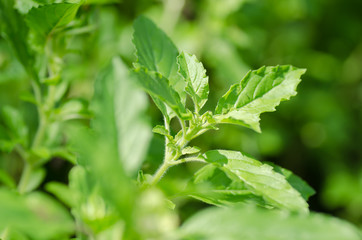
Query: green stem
{"type": "Point", "coordinates": [160, 172]}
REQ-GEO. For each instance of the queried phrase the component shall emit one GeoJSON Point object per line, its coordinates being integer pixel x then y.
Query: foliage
{"type": "Point", "coordinates": [110, 192]}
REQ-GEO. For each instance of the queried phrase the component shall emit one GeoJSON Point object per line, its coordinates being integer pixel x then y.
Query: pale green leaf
{"type": "Point", "coordinates": [158, 86]}
{"type": "Point", "coordinates": [45, 19]}
{"type": "Point", "coordinates": [190, 150]}
{"type": "Point", "coordinates": [62, 192]}
{"type": "Point", "coordinates": [251, 223]}
{"type": "Point", "coordinates": [259, 91]}
{"type": "Point", "coordinates": [34, 180]}
{"type": "Point", "coordinates": [15, 124]}
{"type": "Point", "coordinates": [259, 178]}
{"type": "Point", "coordinates": [156, 52]}
{"type": "Point", "coordinates": [37, 215]}
{"type": "Point", "coordinates": [161, 130]}
{"type": "Point", "coordinates": [194, 73]}
{"type": "Point", "coordinates": [119, 102]}
{"type": "Point", "coordinates": [213, 186]}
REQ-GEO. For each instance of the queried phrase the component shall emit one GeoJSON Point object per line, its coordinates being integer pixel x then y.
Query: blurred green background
{"type": "Point", "coordinates": [316, 134]}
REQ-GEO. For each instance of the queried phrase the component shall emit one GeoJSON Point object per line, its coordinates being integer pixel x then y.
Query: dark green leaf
{"type": "Point", "coordinates": [297, 183]}
{"type": "Point", "coordinates": [45, 19]}
{"type": "Point", "coordinates": [156, 52]}
{"type": "Point", "coordinates": [259, 91]}
{"type": "Point", "coordinates": [158, 87]}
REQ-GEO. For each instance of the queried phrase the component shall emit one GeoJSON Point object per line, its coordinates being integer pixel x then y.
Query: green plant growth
{"type": "Point", "coordinates": [109, 196]}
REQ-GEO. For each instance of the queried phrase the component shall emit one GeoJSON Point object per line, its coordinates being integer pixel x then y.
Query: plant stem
{"type": "Point", "coordinates": [160, 172]}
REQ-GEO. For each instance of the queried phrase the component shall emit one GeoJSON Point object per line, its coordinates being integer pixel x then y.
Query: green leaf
{"type": "Point", "coordinates": [16, 31]}
{"type": "Point", "coordinates": [259, 91]}
{"type": "Point", "coordinates": [119, 103]}
{"type": "Point", "coordinates": [156, 52]}
{"type": "Point", "coordinates": [297, 183]}
{"type": "Point", "coordinates": [17, 129]}
{"type": "Point", "coordinates": [35, 178]}
{"type": "Point", "coordinates": [249, 222]}
{"type": "Point", "coordinates": [45, 19]}
{"type": "Point", "coordinates": [194, 74]}
{"type": "Point", "coordinates": [62, 192]}
{"type": "Point", "coordinates": [213, 186]}
{"type": "Point", "coordinates": [190, 150]}
{"type": "Point", "coordinates": [35, 215]}
{"type": "Point", "coordinates": [6, 179]}
{"type": "Point", "coordinates": [161, 130]}
{"type": "Point", "coordinates": [158, 87]}
{"type": "Point", "coordinates": [259, 178]}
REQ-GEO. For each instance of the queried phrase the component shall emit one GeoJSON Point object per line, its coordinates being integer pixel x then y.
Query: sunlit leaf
{"type": "Point", "coordinates": [194, 74]}
{"type": "Point", "coordinates": [259, 91]}
{"type": "Point", "coordinates": [253, 223]}
{"type": "Point", "coordinates": [259, 178]}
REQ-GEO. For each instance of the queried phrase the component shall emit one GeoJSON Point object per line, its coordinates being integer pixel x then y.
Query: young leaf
{"type": "Point", "coordinates": [161, 130]}
{"type": "Point", "coordinates": [156, 52]}
{"type": "Point", "coordinates": [259, 91]}
{"type": "Point", "coordinates": [47, 18]}
{"type": "Point", "coordinates": [158, 87]}
{"type": "Point", "coordinates": [249, 222]}
{"type": "Point", "coordinates": [190, 150]}
{"type": "Point", "coordinates": [259, 178]}
{"type": "Point", "coordinates": [194, 74]}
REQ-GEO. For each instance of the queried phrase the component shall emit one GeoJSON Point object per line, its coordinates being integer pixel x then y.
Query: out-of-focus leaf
{"type": "Point", "coordinates": [6, 179]}
{"type": "Point", "coordinates": [62, 192]}
{"type": "Point", "coordinates": [47, 18]}
{"type": "Point", "coordinates": [101, 1]}
{"type": "Point", "coordinates": [15, 31]}
{"type": "Point", "coordinates": [37, 215]}
{"type": "Point", "coordinates": [297, 183]}
{"type": "Point", "coordinates": [156, 52]}
{"type": "Point", "coordinates": [15, 124]}
{"type": "Point", "coordinates": [194, 74]}
{"type": "Point", "coordinates": [249, 222]}
{"type": "Point", "coordinates": [158, 87]}
{"type": "Point", "coordinates": [34, 179]}
{"type": "Point", "coordinates": [127, 104]}
{"type": "Point", "coordinates": [259, 178]}
{"type": "Point", "coordinates": [259, 91]}
{"type": "Point", "coordinates": [73, 109]}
